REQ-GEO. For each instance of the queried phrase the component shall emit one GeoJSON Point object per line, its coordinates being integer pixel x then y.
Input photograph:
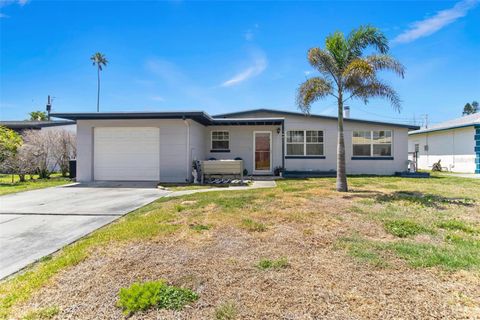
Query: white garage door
{"type": "Point", "coordinates": [126, 154]}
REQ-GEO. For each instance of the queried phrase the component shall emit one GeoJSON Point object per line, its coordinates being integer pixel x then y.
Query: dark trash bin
{"type": "Point", "coordinates": [72, 169]}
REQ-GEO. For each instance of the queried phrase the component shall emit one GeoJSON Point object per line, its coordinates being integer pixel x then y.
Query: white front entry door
{"type": "Point", "coordinates": [126, 153]}
{"type": "Point", "coordinates": [262, 155]}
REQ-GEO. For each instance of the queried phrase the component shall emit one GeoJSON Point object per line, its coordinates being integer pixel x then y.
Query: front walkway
{"type": "Point", "coordinates": [256, 184]}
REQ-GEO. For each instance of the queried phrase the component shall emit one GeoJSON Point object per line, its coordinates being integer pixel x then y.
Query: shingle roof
{"type": "Point", "coordinates": [465, 121]}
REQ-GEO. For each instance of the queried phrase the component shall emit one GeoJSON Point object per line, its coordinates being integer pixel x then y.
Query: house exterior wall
{"type": "Point", "coordinates": [241, 144]}
{"type": "Point", "coordinates": [455, 148]}
{"type": "Point", "coordinates": [329, 127]}
{"type": "Point", "coordinates": [174, 161]}
{"type": "Point", "coordinates": [182, 141]}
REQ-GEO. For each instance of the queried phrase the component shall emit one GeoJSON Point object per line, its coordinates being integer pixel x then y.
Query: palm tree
{"type": "Point", "coordinates": [345, 73]}
{"type": "Point", "coordinates": [100, 61]}
{"type": "Point", "coordinates": [38, 116]}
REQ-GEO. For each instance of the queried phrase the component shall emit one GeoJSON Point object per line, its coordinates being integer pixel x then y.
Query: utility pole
{"type": "Point", "coordinates": [425, 120]}
{"type": "Point", "coordinates": [49, 107]}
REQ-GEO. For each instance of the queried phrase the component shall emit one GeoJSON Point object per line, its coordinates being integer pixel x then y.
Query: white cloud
{"type": "Point", "coordinates": [259, 64]}
{"type": "Point", "coordinates": [177, 81]}
{"type": "Point", "coordinates": [157, 98]}
{"type": "Point", "coordinates": [4, 3]}
{"type": "Point", "coordinates": [250, 34]}
{"type": "Point", "coordinates": [431, 25]}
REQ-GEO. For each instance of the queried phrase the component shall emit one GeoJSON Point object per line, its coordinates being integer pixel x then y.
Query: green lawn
{"type": "Point", "coordinates": [381, 223]}
{"type": "Point", "coordinates": [6, 185]}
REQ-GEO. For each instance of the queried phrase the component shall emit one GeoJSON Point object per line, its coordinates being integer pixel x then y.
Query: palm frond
{"type": "Point", "coordinates": [323, 61]}
{"type": "Point", "coordinates": [386, 62]}
{"type": "Point", "coordinates": [99, 59]}
{"type": "Point", "coordinates": [366, 36]}
{"type": "Point", "coordinates": [312, 90]}
{"type": "Point", "coordinates": [337, 46]}
{"type": "Point", "coordinates": [359, 68]}
{"type": "Point", "coordinates": [378, 89]}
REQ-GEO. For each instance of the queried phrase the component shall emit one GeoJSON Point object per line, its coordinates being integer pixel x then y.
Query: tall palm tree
{"type": "Point", "coordinates": [100, 61]}
{"type": "Point", "coordinates": [345, 73]}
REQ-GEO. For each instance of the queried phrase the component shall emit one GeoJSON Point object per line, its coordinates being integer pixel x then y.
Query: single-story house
{"type": "Point", "coordinates": [161, 146]}
{"type": "Point", "coordinates": [20, 126]}
{"type": "Point", "coordinates": [455, 142]}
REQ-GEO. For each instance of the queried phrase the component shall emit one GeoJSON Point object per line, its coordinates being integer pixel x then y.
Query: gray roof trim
{"type": "Point", "coordinates": [411, 133]}
{"type": "Point", "coordinates": [462, 122]}
{"type": "Point", "coordinates": [198, 116]}
{"type": "Point", "coordinates": [291, 113]}
{"type": "Point", "coordinates": [247, 121]}
{"type": "Point", "coordinates": [27, 124]}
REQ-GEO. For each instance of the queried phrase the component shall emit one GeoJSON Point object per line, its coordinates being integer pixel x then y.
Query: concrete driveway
{"type": "Point", "coordinates": [39, 222]}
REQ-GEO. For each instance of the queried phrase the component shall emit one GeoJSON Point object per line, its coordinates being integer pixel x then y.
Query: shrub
{"type": "Point", "coordinates": [226, 311]}
{"type": "Point", "coordinates": [142, 296]}
{"type": "Point", "coordinates": [266, 264]}
{"type": "Point", "coordinates": [404, 228]}
{"type": "Point", "coordinates": [252, 225]}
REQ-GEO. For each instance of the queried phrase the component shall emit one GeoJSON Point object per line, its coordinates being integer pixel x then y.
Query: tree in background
{"type": "Point", "coordinates": [345, 73]}
{"type": "Point", "coordinates": [38, 116]}
{"type": "Point", "coordinates": [10, 141]}
{"type": "Point", "coordinates": [65, 150]}
{"type": "Point", "coordinates": [470, 108]}
{"type": "Point", "coordinates": [100, 61]}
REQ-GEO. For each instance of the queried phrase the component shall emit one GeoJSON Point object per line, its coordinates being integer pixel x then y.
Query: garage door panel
{"type": "Point", "coordinates": [126, 153]}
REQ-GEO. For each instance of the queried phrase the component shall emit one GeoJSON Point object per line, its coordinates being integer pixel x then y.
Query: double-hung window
{"type": "Point", "coordinates": [220, 140]}
{"type": "Point", "coordinates": [372, 143]}
{"type": "Point", "coordinates": [304, 143]}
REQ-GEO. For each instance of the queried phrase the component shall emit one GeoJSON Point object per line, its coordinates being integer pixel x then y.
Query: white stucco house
{"type": "Point", "coordinates": [455, 142]}
{"type": "Point", "coordinates": [160, 146]}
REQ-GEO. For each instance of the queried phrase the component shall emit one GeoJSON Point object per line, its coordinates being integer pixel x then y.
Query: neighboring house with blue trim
{"type": "Point", "coordinates": [161, 146]}
{"type": "Point", "coordinates": [455, 142]}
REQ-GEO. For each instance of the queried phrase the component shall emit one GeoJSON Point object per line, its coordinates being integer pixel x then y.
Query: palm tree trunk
{"type": "Point", "coordinates": [342, 185]}
{"type": "Point", "coordinates": [98, 89]}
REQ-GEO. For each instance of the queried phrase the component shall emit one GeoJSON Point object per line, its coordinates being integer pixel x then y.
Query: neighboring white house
{"type": "Point", "coordinates": [160, 146]}
{"type": "Point", "coordinates": [455, 142]}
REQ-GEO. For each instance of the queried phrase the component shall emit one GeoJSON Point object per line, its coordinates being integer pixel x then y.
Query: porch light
{"type": "Point", "coordinates": [278, 130]}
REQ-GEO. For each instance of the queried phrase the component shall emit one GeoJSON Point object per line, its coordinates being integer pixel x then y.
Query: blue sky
{"type": "Point", "coordinates": [227, 56]}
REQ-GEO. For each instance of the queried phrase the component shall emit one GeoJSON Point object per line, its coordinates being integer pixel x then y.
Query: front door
{"type": "Point", "coordinates": [262, 159]}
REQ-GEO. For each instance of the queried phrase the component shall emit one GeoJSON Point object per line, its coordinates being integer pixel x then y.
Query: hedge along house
{"type": "Point", "coordinates": [455, 142]}
{"type": "Point", "coordinates": [160, 146]}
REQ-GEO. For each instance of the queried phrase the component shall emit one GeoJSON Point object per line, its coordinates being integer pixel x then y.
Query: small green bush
{"type": "Point", "coordinates": [142, 296]}
{"type": "Point", "coordinates": [226, 311]}
{"type": "Point", "coordinates": [405, 228]}
{"type": "Point", "coordinates": [42, 314]}
{"type": "Point", "coordinates": [252, 225]}
{"type": "Point", "coordinates": [266, 264]}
